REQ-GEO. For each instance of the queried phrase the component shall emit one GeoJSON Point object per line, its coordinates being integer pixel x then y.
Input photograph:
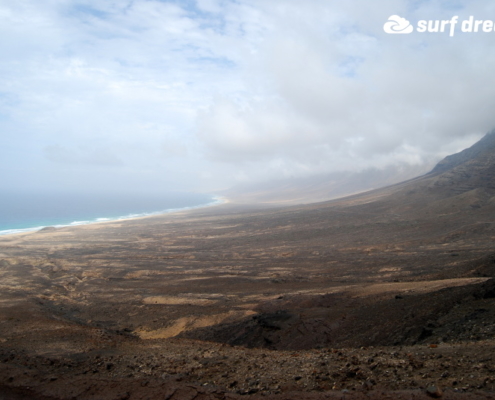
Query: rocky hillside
{"type": "Point", "coordinates": [478, 154]}
{"type": "Point", "coordinates": [453, 204]}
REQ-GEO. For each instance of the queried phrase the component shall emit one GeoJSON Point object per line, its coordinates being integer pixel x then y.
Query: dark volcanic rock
{"type": "Point", "coordinates": [434, 391]}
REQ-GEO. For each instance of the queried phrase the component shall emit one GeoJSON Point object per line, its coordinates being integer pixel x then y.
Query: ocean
{"type": "Point", "coordinates": [24, 212]}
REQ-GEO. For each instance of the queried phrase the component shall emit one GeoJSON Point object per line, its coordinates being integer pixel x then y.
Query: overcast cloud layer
{"type": "Point", "coordinates": [200, 95]}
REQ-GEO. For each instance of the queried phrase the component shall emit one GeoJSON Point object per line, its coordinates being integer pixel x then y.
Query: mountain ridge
{"type": "Point", "coordinates": [486, 143]}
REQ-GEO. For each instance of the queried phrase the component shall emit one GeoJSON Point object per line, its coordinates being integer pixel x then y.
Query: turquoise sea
{"type": "Point", "coordinates": [23, 212]}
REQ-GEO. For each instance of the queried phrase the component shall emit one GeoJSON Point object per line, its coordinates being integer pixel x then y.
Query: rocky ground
{"type": "Point", "coordinates": [157, 369]}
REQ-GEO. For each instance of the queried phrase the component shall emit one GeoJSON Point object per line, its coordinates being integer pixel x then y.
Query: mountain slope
{"type": "Point", "coordinates": [480, 151]}
{"type": "Point", "coordinates": [459, 182]}
{"type": "Point", "coordinates": [430, 229]}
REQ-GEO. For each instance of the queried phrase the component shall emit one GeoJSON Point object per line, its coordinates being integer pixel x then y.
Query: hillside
{"type": "Point", "coordinates": [384, 293]}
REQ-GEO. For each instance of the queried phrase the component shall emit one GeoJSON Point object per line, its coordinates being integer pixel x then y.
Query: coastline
{"type": "Point", "coordinates": [217, 200]}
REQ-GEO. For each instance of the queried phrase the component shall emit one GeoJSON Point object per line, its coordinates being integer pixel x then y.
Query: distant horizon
{"type": "Point", "coordinates": [31, 209]}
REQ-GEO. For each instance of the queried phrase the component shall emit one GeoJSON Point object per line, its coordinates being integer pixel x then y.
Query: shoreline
{"type": "Point", "coordinates": [217, 200]}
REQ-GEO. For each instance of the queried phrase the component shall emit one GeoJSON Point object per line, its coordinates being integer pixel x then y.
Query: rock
{"type": "Point", "coordinates": [434, 391]}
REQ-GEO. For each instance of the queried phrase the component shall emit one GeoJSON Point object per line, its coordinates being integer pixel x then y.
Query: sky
{"type": "Point", "coordinates": [202, 95]}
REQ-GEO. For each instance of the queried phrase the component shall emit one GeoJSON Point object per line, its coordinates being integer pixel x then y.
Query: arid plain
{"type": "Point", "coordinates": [385, 293]}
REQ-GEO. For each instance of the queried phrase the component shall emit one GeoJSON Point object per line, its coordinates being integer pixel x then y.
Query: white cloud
{"type": "Point", "coordinates": [212, 91]}
{"type": "Point", "coordinates": [404, 98]}
{"type": "Point", "coordinates": [92, 156]}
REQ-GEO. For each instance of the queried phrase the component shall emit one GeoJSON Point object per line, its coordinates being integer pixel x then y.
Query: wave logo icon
{"type": "Point", "coordinates": [396, 24]}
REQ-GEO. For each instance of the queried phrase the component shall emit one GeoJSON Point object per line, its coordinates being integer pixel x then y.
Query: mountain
{"type": "Point", "coordinates": [472, 168]}
{"type": "Point", "coordinates": [479, 154]}
{"type": "Point", "coordinates": [459, 181]}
